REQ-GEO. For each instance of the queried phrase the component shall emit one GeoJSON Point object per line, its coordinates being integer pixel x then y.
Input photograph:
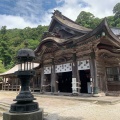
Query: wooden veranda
{"type": "Point", "coordinates": [12, 83]}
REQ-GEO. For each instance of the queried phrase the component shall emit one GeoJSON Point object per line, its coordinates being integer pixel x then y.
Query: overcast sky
{"type": "Point", "coordinates": [31, 13]}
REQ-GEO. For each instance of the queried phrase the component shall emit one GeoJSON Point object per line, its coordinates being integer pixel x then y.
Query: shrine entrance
{"type": "Point", "coordinates": [85, 81]}
{"type": "Point", "coordinates": [64, 82]}
{"type": "Point", "coordinates": [47, 82]}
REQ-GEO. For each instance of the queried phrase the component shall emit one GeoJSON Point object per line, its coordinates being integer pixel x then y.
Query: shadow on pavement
{"type": "Point", "coordinates": [58, 117]}
{"type": "Point", "coordinates": [70, 118]}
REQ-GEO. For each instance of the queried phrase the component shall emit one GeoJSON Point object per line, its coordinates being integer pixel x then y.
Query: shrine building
{"type": "Point", "coordinates": [77, 60]}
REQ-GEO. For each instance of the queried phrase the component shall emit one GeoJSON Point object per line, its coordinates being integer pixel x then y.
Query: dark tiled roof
{"type": "Point", "coordinates": [102, 27]}
{"type": "Point", "coordinates": [116, 31]}
{"type": "Point", "coordinates": [71, 24]}
{"type": "Point", "coordinates": [56, 40]}
{"type": "Point", "coordinates": [67, 22]}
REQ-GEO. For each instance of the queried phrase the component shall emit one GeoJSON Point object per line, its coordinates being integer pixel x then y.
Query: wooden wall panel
{"type": "Point", "coordinates": [113, 87]}
{"type": "Point", "coordinates": [101, 75]}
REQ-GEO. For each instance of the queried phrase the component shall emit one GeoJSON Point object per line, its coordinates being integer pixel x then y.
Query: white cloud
{"type": "Point", "coordinates": [14, 22]}
{"type": "Point", "coordinates": [29, 9]}
{"type": "Point", "coordinates": [100, 8]}
{"type": "Point", "coordinates": [34, 14]}
{"type": "Point", "coordinates": [46, 18]}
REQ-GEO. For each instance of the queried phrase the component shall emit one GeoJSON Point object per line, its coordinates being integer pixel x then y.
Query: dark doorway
{"type": "Point", "coordinates": [85, 79]}
{"type": "Point", "coordinates": [64, 82]}
{"type": "Point", "coordinates": [47, 82]}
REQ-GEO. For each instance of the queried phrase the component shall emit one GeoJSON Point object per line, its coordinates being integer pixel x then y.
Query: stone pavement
{"type": "Point", "coordinates": [100, 100]}
{"type": "Point", "coordinates": [72, 108]}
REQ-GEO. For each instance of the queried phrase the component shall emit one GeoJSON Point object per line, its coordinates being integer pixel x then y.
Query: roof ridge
{"type": "Point", "coordinates": [59, 14]}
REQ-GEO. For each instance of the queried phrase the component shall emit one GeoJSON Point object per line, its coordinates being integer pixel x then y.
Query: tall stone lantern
{"type": "Point", "coordinates": [25, 107]}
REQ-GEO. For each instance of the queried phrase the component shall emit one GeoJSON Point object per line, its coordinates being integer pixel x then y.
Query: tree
{"type": "Point", "coordinates": [116, 10]}
{"type": "Point", "coordinates": [117, 22]}
{"type": "Point", "coordinates": [12, 40]}
{"type": "Point", "coordinates": [87, 19]}
{"type": "Point", "coordinates": [111, 21]}
{"type": "Point", "coordinates": [2, 69]}
{"type": "Point", "coordinates": [3, 30]}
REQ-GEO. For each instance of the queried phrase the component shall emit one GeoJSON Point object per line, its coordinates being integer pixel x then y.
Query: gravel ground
{"type": "Point", "coordinates": [63, 109]}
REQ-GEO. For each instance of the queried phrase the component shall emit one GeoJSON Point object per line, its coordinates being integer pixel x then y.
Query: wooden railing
{"type": "Point", "coordinates": [11, 87]}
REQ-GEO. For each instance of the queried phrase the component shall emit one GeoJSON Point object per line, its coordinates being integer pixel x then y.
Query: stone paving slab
{"type": "Point", "coordinates": [101, 100]}
{"type": "Point", "coordinates": [69, 108]}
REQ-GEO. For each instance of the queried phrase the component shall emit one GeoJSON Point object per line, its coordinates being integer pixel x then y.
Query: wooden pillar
{"type": "Point", "coordinates": [42, 88]}
{"type": "Point", "coordinates": [8, 86]}
{"type": "Point", "coordinates": [39, 82]}
{"type": "Point", "coordinates": [12, 85]}
{"type": "Point", "coordinates": [75, 73]}
{"type": "Point", "coordinates": [93, 69]}
{"type": "Point", "coordinates": [53, 77]}
{"type": "Point", "coordinates": [16, 83]}
{"type": "Point", "coordinates": [3, 84]}
{"type": "Point", "coordinates": [19, 87]}
{"type": "Point", "coordinates": [56, 83]}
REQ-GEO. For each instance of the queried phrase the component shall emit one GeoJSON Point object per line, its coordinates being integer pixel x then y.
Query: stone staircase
{"type": "Point", "coordinates": [4, 107]}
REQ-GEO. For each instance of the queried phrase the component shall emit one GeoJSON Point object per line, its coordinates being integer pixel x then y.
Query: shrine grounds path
{"type": "Point", "coordinates": [69, 108]}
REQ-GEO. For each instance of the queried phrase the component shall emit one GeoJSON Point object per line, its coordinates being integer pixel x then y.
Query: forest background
{"type": "Point", "coordinates": [11, 40]}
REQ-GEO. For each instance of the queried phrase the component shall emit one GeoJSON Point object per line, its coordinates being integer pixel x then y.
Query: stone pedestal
{"type": "Point", "coordinates": [37, 115]}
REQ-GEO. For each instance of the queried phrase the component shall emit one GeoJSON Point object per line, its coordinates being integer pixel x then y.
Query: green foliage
{"type": "Point", "coordinates": [116, 10]}
{"type": "Point", "coordinates": [110, 20]}
{"type": "Point", "coordinates": [3, 30]}
{"type": "Point", "coordinates": [88, 20]}
{"type": "Point", "coordinates": [2, 69]}
{"type": "Point", "coordinates": [13, 39]}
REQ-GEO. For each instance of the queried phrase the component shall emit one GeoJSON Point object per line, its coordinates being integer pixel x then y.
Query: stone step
{"type": "Point", "coordinates": [4, 107]}
{"type": "Point", "coordinates": [51, 117]}
{"type": "Point", "coordinates": [4, 104]}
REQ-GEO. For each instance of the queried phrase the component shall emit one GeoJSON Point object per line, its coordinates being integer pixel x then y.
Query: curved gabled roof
{"type": "Point", "coordinates": [115, 30]}
{"type": "Point", "coordinates": [102, 27]}
{"type": "Point", "coordinates": [72, 25]}
{"type": "Point", "coordinates": [57, 16]}
{"type": "Point", "coordinates": [55, 40]}
{"type": "Point", "coordinates": [14, 69]}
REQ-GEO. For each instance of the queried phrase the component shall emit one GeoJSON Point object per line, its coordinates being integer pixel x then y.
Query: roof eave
{"type": "Point", "coordinates": [102, 26]}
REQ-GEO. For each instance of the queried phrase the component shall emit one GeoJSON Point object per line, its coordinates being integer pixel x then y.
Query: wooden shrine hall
{"type": "Point", "coordinates": [12, 83]}
{"type": "Point", "coordinates": [75, 60]}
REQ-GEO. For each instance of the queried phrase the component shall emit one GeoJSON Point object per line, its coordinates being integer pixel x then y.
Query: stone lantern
{"type": "Point", "coordinates": [25, 73]}
{"type": "Point", "coordinates": [25, 108]}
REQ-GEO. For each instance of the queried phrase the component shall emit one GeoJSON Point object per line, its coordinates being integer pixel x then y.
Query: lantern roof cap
{"type": "Point", "coordinates": [26, 52]}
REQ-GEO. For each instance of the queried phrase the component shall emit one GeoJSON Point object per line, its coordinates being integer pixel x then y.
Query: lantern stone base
{"type": "Point", "coordinates": [37, 115]}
